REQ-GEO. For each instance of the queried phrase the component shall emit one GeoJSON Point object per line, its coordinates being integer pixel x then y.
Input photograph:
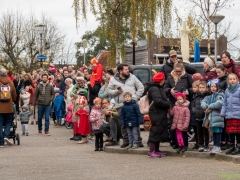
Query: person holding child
{"type": "Point", "coordinates": [212, 105]}
{"type": "Point", "coordinates": [181, 119]}
{"type": "Point", "coordinates": [130, 118]}
{"type": "Point", "coordinates": [96, 118]}
{"type": "Point", "coordinates": [230, 110]}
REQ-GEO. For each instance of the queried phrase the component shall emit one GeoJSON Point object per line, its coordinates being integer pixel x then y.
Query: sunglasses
{"type": "Point", "coordinates": [174, 56]}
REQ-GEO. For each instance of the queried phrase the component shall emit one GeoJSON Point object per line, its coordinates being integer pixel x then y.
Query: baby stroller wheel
{"type": "Point", "coordinates": [18, 139]}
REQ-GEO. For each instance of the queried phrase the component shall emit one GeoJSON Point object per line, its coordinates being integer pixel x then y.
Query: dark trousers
{"type": "Point", "coordinates": [98, 140]}
{"type": "Point", "coordinates": [112, 130]}
{"type": "Point", "coordinates": [235, 136]}
{"type": "Point", "coordinates": [225, 137]}
{"type": "Point", "coordinates": [125, 134]}
{"type": "Point", "coordinates": [196, 135]}
{"type": "Point", "coordinates": [216, 139]}
{"type": "Point", "coordinates": [203, 135]}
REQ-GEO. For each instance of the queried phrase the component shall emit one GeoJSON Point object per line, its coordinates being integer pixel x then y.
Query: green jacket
{"type": "Point", "coordinates": [74, 90]}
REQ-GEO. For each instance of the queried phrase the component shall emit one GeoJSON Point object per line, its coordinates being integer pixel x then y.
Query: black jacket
{"type": "Point", "coordinates": [185, 83]}
{"type": "Point", "coordinates": [158, 113]}
{"type": "Point", "coordinates": [168, 67]}
{"type": "Point", "coordinates": [223, 82]}
{"type": "Point", "coordinates": [197, 110]}
{"type": "Point", "coordinates": [93, 91]}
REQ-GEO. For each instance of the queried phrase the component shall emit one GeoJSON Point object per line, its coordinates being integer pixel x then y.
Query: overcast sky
{"type": "Point", "coordinates": [62, 12]}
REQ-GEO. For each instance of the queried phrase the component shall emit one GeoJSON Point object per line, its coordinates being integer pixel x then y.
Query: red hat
{"type": "Point", "coordinates": [180, 95]}
{"type": "Point", "coordinates": [158, 77]}
{"type": "Point", "coordinates": [94, 61]}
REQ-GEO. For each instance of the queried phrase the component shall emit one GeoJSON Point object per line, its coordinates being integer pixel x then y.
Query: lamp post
{"type": "Point", "coordinates": [41, 30]}
{"type": "Point", "coordinates": [134, 60]}
{"type": "Point", "coordinates": [216, 19]}
{"type": "Point", "coordinates": [85, 44]}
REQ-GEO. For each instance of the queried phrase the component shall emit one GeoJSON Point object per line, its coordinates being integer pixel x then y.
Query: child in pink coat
{"type": "Point", "coordinates": [96, 117]}
{"type": "Point", "coordinates": [181, 119]}
{"type": "Point", "coordinates": [68, 118]}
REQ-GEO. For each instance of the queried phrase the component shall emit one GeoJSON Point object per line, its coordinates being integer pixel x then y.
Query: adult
{"type": "Point", "coordinates": [6, 110]}
{"type": "Point", "coordinates": [58, 80]}
{"type": "Point", "coordinates": [27, 80]}
{"type": "Point", "coordinates": [80, 86]}
{"type": "Point", "coordinates": [168, 67]}
{"type": "Point", "coordinates": [178, 81]}
{"type": "Point", "coordinates": [209, 67]}
{"type": "Point", "coordinates": [69, 85]}
{"type": "Point", "coordinates": [63, 85]}
{"type": "Point", "coordinates": [111, 127]}
{"type": "Point", "coordinates": [17, 84]}
{"type": "Point", "coordinates": [87, 74]}
{"type": "Point", "coordinates": [70, 69]}
{"type": "Point", "coordinates": [44, 94]}
{"type": "Point", "coordinates": [230, 64]}
{"type": "Point", "coordinates": [123, 82]}
{"type": "Point", "coordinates": [158, 114]}
{"type": "Point", "coordinates": [102, 92]}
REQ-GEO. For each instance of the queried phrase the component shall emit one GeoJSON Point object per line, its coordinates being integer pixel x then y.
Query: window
{"type": "Point", "coordinates": [142, 74]}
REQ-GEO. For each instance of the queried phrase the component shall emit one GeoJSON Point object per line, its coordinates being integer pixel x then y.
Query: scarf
{"type": "Point", "coordinates": [177, 78]}
{"type": "Point", "coordinates": [232, 89]}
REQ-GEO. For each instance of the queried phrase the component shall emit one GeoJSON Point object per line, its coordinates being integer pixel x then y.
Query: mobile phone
{"type": "Point", "coordinates": [119, 88]}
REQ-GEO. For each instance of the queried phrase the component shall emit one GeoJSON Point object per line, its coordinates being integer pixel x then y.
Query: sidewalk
{"type": "Point", "coordinates": [172, 152]}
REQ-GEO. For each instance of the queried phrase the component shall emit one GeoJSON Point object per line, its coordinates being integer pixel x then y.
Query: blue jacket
{"type": "Point", "coordinates": [130, 114]}
{"type": "Point", "coordinates": [231, 105]}
{"type": "Point", "coordinates": [103, 94]}
{"type": "Point", "coordinates": [58, 106]}
{"type": "Point", "coordinates": [214, 102]}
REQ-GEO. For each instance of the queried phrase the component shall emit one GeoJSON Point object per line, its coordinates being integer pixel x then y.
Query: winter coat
{"type": "Point", "coordinates": [77, 88]}
{"type": "Point", "coordinates": [58, 105]}
{"type": "Point", "coordinates": [24, 116]}
{"type": "Point", "coordinates": [232, 67]}
{"type": "Point", "coordinates": [96, 117]}
{"type": "Point", "coordinates": [185, 83]}
{"type": "Point", "coordinates": [25, 98]}
{"type": "Point", "coordinates": [132, 84]}
{"type": "Point", "coordinates": [181, 116]}
{"type": "Point", "coordinates": [168, 67]}
{"type": "Point", "coordinates": [93, 92]}
{"type": "Point", "coordinates": [114, 113]}
{"type": "Point", "coordinates": [214, 102]}
{"type": "Point", "coordinates": [223, 82]}
{"type": "Point", "coordinates": [158, 113]}
{"type": "Point", "coordinates": [231, 104]}
{"type": "Point", "coordinates": [130, 114]}
{"type": "Point", "coordinates": [6, 107]}
{"type": "Point", "coordinates": [103, 93]}
{"type": "Point", "coordinates": [209, 75]}
{"type": "Point", "coordinates": [44, 98]}
{"type": "Point", "coordinates": [69, 113]}
{"type": "Point", "coordinates": [68, 99]}
{"type": "Point", "coordinates": [197, 109]}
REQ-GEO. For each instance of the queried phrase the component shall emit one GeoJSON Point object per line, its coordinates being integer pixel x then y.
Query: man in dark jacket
{"type": "Point", "coordinates": [63, 85]}
{"type": "Point", "coordinates": [168, 67]}
{"type": "Point", "coordinates": [45, 95]}
{"type": "Point", "coordinates": [6, 110]}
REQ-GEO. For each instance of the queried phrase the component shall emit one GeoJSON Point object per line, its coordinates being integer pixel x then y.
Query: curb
{"type": "Point", "coordinates": [143, 151]}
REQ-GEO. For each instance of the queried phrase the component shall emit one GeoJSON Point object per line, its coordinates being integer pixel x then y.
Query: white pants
{"type": "Point", "coordinates": [25, 128]}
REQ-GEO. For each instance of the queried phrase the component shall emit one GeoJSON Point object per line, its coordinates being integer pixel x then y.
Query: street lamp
{"type": "Point", "coordinates": [41, 30]}
{"type": "Point", "coordinates": [216, 19]}
{"type": "Point", "coordinates": [85, 45]}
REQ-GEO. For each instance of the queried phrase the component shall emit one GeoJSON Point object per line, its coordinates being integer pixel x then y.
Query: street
{"type": "Point", "coordinates": [56, 157]}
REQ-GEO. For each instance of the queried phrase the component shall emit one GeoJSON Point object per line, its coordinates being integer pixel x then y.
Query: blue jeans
{"type": "Point", "coordinates": [5, 120]}
{"type": "Point", "coordinates": [43, 110]}
{"type": "Point", "coordinates": [59, 120]}
{"type": "Point", "coordinates": [132, 135]}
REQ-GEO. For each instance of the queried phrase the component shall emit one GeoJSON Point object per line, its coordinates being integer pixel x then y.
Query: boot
{"type": "Point", "coordinates": [72, 138]}
{"type": "Point", "coordinates": [83, 141]}
{"type": "Point", "coordinates": [180, 148]}
{"type": "Point", "coordinates": [184, 148]}
{"type": "Point", "coordinates": [77, 137]}
{"type": "Point", "coordinates": [237, 150]}
{"type": "Point", "coordinates": [231, 149]}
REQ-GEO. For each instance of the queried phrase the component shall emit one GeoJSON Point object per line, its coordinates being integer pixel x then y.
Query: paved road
{"type": "Point", "coordinates": [56, 157]}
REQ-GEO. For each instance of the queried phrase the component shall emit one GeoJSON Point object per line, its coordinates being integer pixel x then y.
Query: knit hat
{"type": "Point", "coordinates": [158, 77]}
{"type": "Point", "coordinates": [210, 62]}
{"type": "Point", "coordinates": [25, 106]}
{"type": "Point", "coordinates": [58, 91]}
{"type": "Point", "coordinates": [94, 61]}
{"type": "Point", "coordinates": [197, 77]}
{"type": "Point", "coordinates": [20, 90]}
{"type": "Point", "coordinates": [80, 78]}
{"type": "Point", "coordinates": [180, 95]}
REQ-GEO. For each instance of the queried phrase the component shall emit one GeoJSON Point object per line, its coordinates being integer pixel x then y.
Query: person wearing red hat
{"type": "Point", "coordinates": [158, 114]}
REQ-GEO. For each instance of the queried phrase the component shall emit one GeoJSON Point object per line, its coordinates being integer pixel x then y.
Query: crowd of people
{"type": "Point", "coordinates": [103, 102]}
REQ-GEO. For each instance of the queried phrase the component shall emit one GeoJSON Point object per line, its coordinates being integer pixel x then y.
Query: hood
{"type": "Point", "coordinates": [25, 106]}
{"type": "Point", "coordinates": [232, 62]}
{"type": "Point", "coordinates": [169, 63]}
{"type": "Point", "coordinates": [186, 103]}
{"type": "Point", "coordinates": [5, 80]}
{"type": "Point", "coordinates": [224, 78]}
{"type": "Point", "coordinates": [219, 93]}
{"type": "Point", "coordinates": [131, 102]}
{"type": "Point", "coordinates": [116, 76]}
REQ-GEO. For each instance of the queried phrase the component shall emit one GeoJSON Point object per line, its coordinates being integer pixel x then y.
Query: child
{"type": "Point", "coordinates": [222, 76]}
{"type": "Point", "coordinates": [199, 114]}
{"type": "Point", "coordinates": [58, 107]}
{"type": "Point", "coordinates": [24, 118]}
{"type": "Point", "coordinates": [82, 125]}
{"type": "Point", "coordinates": [230, 110]}
{"type": "Point", "coordinates": [68, 118]}
{"type": "Point", "coordinates": [130, 118]}
{"type": "Point", "coordinates": [96, 118]}
{"type": "Point", "coordinates": [193, 123]}
{"type": "Point", "coordinates": [181, 119]}
{"type": "Point", "coordinates": [212, 105]}
{"type": "Point", "coordinates": [24, 97]}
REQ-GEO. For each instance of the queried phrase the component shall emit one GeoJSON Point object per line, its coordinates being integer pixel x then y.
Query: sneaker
{"type": "Point", "coordinates": [39, 131]}
{"type": "Point", "coordinates": [217, 150]}
{"type": "Point", "coordinates": [100, 149]}
{"type": "Point", "coordinates": [135, 146]}
{"type": "Point", "coordinates": [225, 146]}
{"type": "Point", "coordinates": [180, 148]}
{"type": "Point", "coordinates": [236, 151]}
{"type": "Point", "coordinates": [206, 149]}
{"type": "Point", "coordinates": [124, 145]}
{"type": "Point", "coordinates": [160, 153]}
{"type": "Point", "coordinates": [23, 134]}
{"type": "Point", "coordinates": [213, 150]}
{"type": "Point", "coordinates": [154, 155]}
{"type": "Point", "coordinates": [47, 133]}
{"type": "Point", "coordinates": [140, 144]}
{"type": "Point", "coordinates": [6, 140]}
{"type": "Point", "coordinates": [195, 147]}
{"type": "Point", "coordinates": [129, 146]}
{"type": "Point", "coordinates": [26, 134]}
{"type": "Point", "coordinates": [201, 149]}
{"type": "Point", "coordinates": [175, 146]}
{"type": "Point", "coordinates": [111, 143]}
{"type": "Point", "coordinates": [184, 148]}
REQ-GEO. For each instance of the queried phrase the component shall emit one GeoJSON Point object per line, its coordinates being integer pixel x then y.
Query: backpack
{"type": "Point", "coordinates": [144, 104]}
{"type": "Point", "coordinates": [5, 92]}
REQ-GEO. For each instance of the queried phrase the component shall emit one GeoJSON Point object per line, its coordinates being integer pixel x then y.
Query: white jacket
{"type": "Point", "coordinates": [68, 99]}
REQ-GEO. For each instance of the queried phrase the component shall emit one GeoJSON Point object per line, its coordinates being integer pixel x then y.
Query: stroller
{"type": "Point", "coordinates": [13, 135]}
